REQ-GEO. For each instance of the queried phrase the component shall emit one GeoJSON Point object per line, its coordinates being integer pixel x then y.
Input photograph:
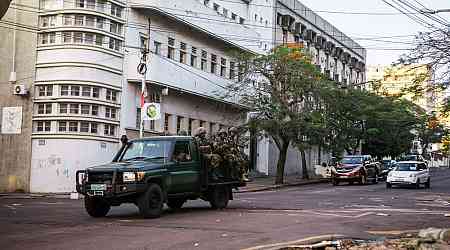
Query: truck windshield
{"type": "Point", "coordinates": [147, 150]}
{"type": "Point", "coordinates": [352, 160]}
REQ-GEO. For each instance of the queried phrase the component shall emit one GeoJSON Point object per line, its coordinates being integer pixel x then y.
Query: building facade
{"type": "Point", "coordinates": [84, 89]}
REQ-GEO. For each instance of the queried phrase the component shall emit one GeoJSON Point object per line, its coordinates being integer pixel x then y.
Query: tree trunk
{"type": "Point", "coordinates": [304, 166]}
{"type": "Point", "coordinates": [319, 154]}
{"type": "Point", "coordinates": [281, 162]}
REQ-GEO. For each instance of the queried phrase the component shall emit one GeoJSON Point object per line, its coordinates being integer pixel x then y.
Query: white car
{"type": "Point", "coordinates": [409, 173]}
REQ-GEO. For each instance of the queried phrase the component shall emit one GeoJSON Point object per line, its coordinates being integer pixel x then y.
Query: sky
{"type": "Point", "coordinates": [359, 27]}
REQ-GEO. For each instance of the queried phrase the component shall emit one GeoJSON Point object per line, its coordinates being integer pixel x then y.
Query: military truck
{"type": "Point", "coordinates": [151, 172]}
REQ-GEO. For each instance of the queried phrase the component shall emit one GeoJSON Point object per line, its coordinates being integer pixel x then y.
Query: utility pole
{"type": "Point", "coordinates": [142, 69]}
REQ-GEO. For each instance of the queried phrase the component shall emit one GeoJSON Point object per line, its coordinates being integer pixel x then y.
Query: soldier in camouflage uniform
{"type": "Point", "coordinates": [206, 148]}
{"type": "Point", "coordinates": [240, 157]}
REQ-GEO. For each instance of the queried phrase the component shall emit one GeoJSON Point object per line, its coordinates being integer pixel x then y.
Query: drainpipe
{"type": "Point", "coordinates": [13, 75]}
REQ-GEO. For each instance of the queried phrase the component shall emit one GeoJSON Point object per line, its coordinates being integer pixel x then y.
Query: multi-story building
{"type": "Point", "coordinates": [85, 89]}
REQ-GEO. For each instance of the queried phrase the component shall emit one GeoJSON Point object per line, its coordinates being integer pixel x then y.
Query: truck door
{"type": "Point", "coordinates": [185, 173]}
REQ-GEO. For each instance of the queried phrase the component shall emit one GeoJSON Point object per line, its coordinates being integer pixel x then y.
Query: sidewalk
{"type": "Point", "coordinates": [267, 183]}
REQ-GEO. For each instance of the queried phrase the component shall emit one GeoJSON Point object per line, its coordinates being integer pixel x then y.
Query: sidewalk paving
{"type": "Point", "coordinates": [267, 183]}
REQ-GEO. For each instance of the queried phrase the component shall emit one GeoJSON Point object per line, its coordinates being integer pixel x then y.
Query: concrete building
{"type": "Point", "coordinates": [84, 90]}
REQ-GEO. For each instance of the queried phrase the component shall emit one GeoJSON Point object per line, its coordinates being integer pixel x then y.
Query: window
{"type": "Point", "coordinates": [261, 20]}
{"type": "Point", "coordinates": [182, 151]}
{"type": "Point", "coordinates": [113, 27]}
{"type": "Point", "coordinates": [157, 47]}
{"type": "Point", "coordinates": [64, 90]}
{"type": "Point", "coordinates": [194, 57]}
{"type": "Point", "coordinates": [113, 113]}
{"type": "Point", "coordinates": [89, 38]}
{"type": "Point", "coordinates": [94, 110]}
{"type": "Point", "coordinates": [62, 126]}
{"type": "Point", "coordinates": [67, 37]}
{"type": "Point", "coordinates": [75, 90]}
{"type": "Point", "coordinates": [170, 48]}
{"type": "Point", "coordinates": [144, 42]}
{"type": "Point", "coordinates": [213, 63]}
{"type": "Point", "coordinates": [63, 108]}
{"type": "Point", "coordinates": [111, 95]}
{"type": "Point", "coordinates": [232, 70]}
{"type": "Point", "coordinates": [46, 90]}
{"type": "Point", "coordinates": [41, 108]}
{"type": "Point", "coordinates": [116, 10]}
{"type": "Point", "coordinates": [99, 40]}
{"type": "Point", "coordinates": [44, 38]}
{"type": "Point", "coordinates": [204, 60]}
{"type": "Point", "coordinates": [78, 37]}
{"type": "Point", "coordinates": [241, 20]}
{"type": "Point", "coordinates": [182, 52]}
{"type": "Point", "coordinates": [100, 22]}
{"type": "Point", "coordinates": [73, 126]}
{"type": "Point", "coordinates": [223, 67]}
{"type": "Point", "coordinates": [225, 12]}
{"type": "Point", "coordinates": [74, 108]}
{"type": "Point", "coordinates": [68, 20]}
{"type": "Point", "coordinates": [45, 21]}
{"type": "Point", "coordinates": [84, 127]}
{"type": "Point", "coordinates": [46, 109]}
{"type": "Point", "coordinates": [94, 128]}
{"type": "Point", "coordinates": [101, 4]}
{"type": "Point", "coordinates": [107, 112]}
{"type": "Point", "coordinates": [206, 2]}
{"type": "Point", "coordinates": [233, 16]}
{"type": "Point", "coordinates": [109, 129]}
{"type": "Point", "coordinates": [85, 109]}
{"type": "Point", "coordinates": [216, 7]}
{"type": "Point", "coordinates": [79, 3]}
{"type": "Point", "coordinates": [179, 120]}
{"type": "Point", "coordinates": [90, 21]}
{"type": "Point", "coordinates": [256, 17]}
{"type": "Point", "coordinates": [43, 126]}
{"type": "Point", "coordinates": [79, 20]}
{"type": "Point", "coordinates": [90, 4]}
{"type": "Point", "coordinates": [115, 44]}
{"type": "Point", "coordinates": [52, 37]}
{"type": "Point", "coordinates": [95, 92]}
{"type": "Point", "coordinates": [108, 94]}
{"type": "Point", "coordinates": [166, 122]}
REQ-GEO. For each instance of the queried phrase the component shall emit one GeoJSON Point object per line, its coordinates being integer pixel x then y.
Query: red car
{"type": "Point", "coordinates": [356, 168]}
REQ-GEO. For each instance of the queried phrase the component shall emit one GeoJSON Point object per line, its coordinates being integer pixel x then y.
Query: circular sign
{"type": "Point", "coordinates": [152, 111]}
{"type": "Point", "coordinates": [142, 68]}
{"type": "Point", "coordinates": [4, 5]}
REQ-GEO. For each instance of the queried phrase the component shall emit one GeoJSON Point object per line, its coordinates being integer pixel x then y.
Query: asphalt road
{"type": "Point", "coordinates": [252, 219]}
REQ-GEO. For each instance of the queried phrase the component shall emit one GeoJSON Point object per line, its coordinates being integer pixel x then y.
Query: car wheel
{"type": "Point", "coordinates": [96, 207]}
{"type": "Point", "coordinates": [151, 202]}
{"type": "Point", "coordinates": [363, 180]}
{"type": "Point", "coordinates": [219, 197]}
{"type": "Point", "coordinates": [375, 181]}
{"type": "Point", "coordinates": [175, 203]}
{"type": "Point", "coordinates": [417, 185]}
{"type": "Point", "coordinates": [388, 185]}
{"type": "Point", "coordinates": [428, 183]}
{"type": "Point", "coordinates": [335, 182]}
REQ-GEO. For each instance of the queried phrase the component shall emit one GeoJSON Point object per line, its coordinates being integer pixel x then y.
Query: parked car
{"type": "Point", "coordinates": [413, 173]}
{"type": "Point", "coordinates": [386, 167]}
{"type": "Point", "coordinates": [356, 168]}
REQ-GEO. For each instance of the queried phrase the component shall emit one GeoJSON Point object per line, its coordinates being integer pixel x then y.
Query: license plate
{"type": "Point", "coordinates": [98, 187]}
{"type": "Point", "coordinates": [343, 176]}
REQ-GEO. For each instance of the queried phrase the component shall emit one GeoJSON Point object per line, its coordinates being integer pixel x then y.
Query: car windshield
{"type": "Point", "coordinates": [147, 150]}
{"type": "Point", "coordinates": [352, 160]}
{"type": "Point", "coordinates": [410, 158]}
{"type": "Point", "coordinates": [407, 167]}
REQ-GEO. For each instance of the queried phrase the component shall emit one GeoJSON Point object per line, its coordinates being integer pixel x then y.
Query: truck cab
{"type": "Point", "coordinates": [151, 172]}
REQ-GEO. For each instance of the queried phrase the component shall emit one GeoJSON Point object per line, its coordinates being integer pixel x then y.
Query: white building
{"type": "Point", "coordinates": [87, 89]}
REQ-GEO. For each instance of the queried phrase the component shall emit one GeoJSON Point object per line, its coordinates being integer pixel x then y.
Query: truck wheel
{"type": "Point", "coordinates": [96, 207]}
{"type": "Point", "coordinates": [219, 197]}
{"type": "Point", "coordinates": [151, 202]}
{"type": "Point", "coordinates": [175, 203]}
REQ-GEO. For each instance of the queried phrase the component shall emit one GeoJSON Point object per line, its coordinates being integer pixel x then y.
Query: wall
{"type": "Point", "coordinates": [53, 167]}
{"type": "Point", "coordinates": [15, 150]}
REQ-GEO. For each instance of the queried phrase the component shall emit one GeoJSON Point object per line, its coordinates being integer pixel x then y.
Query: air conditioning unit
{"type": "Point", "coordinates": [20, 89]}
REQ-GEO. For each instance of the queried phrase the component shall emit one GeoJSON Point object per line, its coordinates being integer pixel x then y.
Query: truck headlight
{"type": "Point", "coordinates": [129, 177]}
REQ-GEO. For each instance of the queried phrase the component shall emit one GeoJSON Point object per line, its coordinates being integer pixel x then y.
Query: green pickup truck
{"type": "Point", "coordinates": [151, 172]}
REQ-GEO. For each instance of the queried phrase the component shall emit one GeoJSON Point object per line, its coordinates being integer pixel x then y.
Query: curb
{"type": "Point", "coordinates": [280, 186]}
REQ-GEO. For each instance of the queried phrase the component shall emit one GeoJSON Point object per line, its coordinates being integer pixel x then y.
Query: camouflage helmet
{"type": "Point", "coordinates": [222, 132]}
{"type": "Point", "coordinates": [200, 131]}
{"type": "Point", "coordinates": [233, 130]}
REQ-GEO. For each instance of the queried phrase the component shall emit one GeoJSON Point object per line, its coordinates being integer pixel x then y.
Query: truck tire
{"type": "Point", "coordinates": [96, 207]}
{"type": "Point", "coordinates": [151, 202]}
{"type": "Point", "coordinates": [219, 197]}
{"type": "Point", "coordinates": [175, 203]}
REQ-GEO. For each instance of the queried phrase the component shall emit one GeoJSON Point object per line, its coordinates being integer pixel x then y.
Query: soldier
{"type": "Point", "coordinates": [205, 148]}
{"type": "Point", "coordinates": [241, 159]}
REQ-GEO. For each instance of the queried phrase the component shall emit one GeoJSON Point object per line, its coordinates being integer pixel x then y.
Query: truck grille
{"type": "Point", "coordinates": [100, 177]}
